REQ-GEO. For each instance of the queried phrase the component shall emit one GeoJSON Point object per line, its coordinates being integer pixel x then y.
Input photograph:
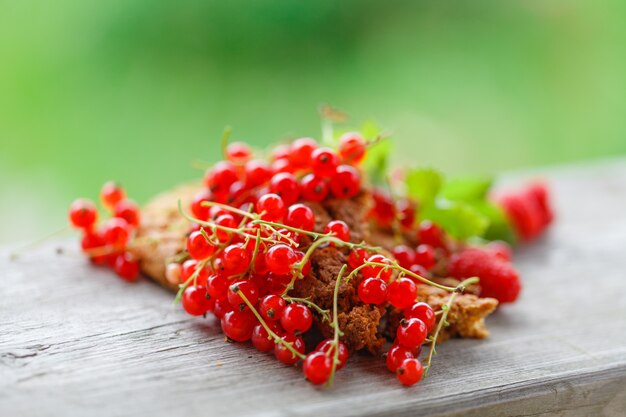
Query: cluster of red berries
{"type": "Point", "coordinates": [299, 171]}
{"type": "Point", "coordinates": [528, 210]}
{"type": "Point", "coordinates": [106, 245]}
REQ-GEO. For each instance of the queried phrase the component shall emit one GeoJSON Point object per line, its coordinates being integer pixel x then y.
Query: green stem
{"type": "Point", "coordinates": [320, 310]}
{"type": "Point", "coordinates": [277, 339]}
{"type": "Point", "coordinates": [335, 343]}
{"type": "Point", "coordinates": [412, 274]}
{"type": "Point", "coordinates": [182, 287]}
{"type": "Point", "coordinates": [229, 208]}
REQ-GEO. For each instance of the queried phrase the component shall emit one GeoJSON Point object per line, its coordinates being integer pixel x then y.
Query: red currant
{"type": "Point", "coordinates": [116, 232]}
{"type": "Point", "coordinates": [352, 147]}
{"type": "Point", "coordinates": [300, 217]}
{"type": "Point", "coordinates": [306, 268]}
{"type": "Point", "coordinates": [111, 193]}
{"type": "Point", "coordinates": [377, 271]}
{"type": "Point", "coordinates": [129, 211]}
{"type": "Point", "coordinates": [221, 307]}
{"type": "Point", "coordinates": [271, 307]}
{"type": "Point", "coordinates": [410, 372]}
{"type": "Point", "coordinates": [126, 266]}
{"type": "Point", "coordinates": [317, 367]}
{"type": "Point", "coordinates": [396, 355]}
{"type": "Point", "coordinates": [324, 162]}
{"type": "Point", "coordinates": [372, 291]}
{"type": "Point", "coordinates": [357, 257]}
{"type": "Point", "coordinates": [411, 333]}
{"type": "Point", "coordinates": [199, 247]}
{"type": "Point", "coordinates": [198, 210]}
{"type": "Point", "coordinates": [285, 185]}
{"type": "Point", "coordinates": [189, 267]}
{"type": "Point", "coordinates": [425, 256]}
{"type": "Point", "coordinates": [406, 213]}
{"type": "Point", "coordinates": [83, 213]}
{"type": "Point", "coordinates": [261, 339]}
{"type": "Point", "coordinates": [424, 312]}
{"type": "Point", "coordinates": [283, 165]}
{"type": "Point", "coordinates": [327, 345]}
{"type": "Point", "coordinates": [402, 293]}
{"type": "Point", "coordinates": [248, 289]}
{"type": "Point", "coordinates": [238, 325]}
{"type": "Point", "coordinates": [339, 229]}
{"type": "Point", "coordinates": [220, 177]}
{"type": "Point", "coordinates": [217, 286]}
{"type": "Point", "coordinates": [281, 152]}
{"type": "Point", "coordinates": [313, 188]}
{"type": "Point", "coordinates": [235, 260]}
{"type": "Point", "coordinates": [296, 318]}
{"type": "Point", "coordinates": [300, 153]}
{"type": "Point", "coordinates": [346, 182]}
{"type": "Point", "coordinates": [225, 220]}
{"type": "Point", "coordinates": [430, 234]}
{"type": "Point", "coordinates": [404, 255]}
{"type": "Point", "coordinates": [91, 244]}
{"type": "Point", "coordinates": [238, 152]}
{"type": "Point", "coordinates": [280, 259]}
{"type": "Point", "coordinates": [196, 301]}
{"type": "Point", "coordinates": [271, 207]}
{"type": "Point", "coordinates": [384, 210]}
{"type": "Point", "coordinates": [258, 172]}
{"type": "Point", "coordinates": [283, 354]}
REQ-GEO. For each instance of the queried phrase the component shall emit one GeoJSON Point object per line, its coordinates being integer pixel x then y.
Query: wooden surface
{"type": "Point", "coordinates": [77, 341]}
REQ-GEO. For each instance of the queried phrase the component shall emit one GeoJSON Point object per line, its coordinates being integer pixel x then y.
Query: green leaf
{"type": "Point", "coordinates": [467, 189]}
{"type": "Point", "coordinates": [424, 185]}
{"type": "Point", "coordinates": [376, 161]}
{"type": "Point", "coordinates": [459, 219]}
{"type": "Point", "coordinates": [499, 226]}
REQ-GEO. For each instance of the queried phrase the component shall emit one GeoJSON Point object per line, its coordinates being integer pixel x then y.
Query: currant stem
{"type": "Point", "coordinates": [229, 208]}
{"type": "Point", "coordinates": [277, 339]}
{"type": "Point", "coordinates": [18, 251]}
{"type": "Point", "coordinates": [325, 313]}
{"type": "Point", "coordinates": [443, 320]}
{"type": "Point", "coordinates": [412, 274]}
{"type": "Point", "coordinates": [182, 287]}
{"type": "Point", "coordinates": [335, 325]}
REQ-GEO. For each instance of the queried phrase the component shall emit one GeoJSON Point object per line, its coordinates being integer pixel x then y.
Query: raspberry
{"type": "Point", "coordinates": [529, 210]}
{"type": "Point", "coordinates": [498, 278]}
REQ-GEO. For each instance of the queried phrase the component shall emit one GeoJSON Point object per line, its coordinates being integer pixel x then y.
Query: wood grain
{"type": "Point", "coordinates": [77, 341]}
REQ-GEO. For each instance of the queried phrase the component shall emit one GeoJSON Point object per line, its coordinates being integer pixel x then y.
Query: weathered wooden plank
{"type": "Point", "coordinates": [75, 340]}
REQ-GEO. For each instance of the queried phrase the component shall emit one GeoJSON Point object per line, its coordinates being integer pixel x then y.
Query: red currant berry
{"type": "Point", "coordinates": [277, 283]}
{"type": "Point", "coordinates": [189, 268]}
{"type": "Point", "coordinates": [300, 152]}
{"type": "Point", "coordinates": [430, 234]}
{"type": "Point", "coordinates": [406, 213]}
{"type": "Point", "coordinates": [313, 188]}
{"type": "Point", "coordinates": [235, 260]}
{"type": "Point", "coordinates": [425, 256]}
{"type": "Point", "coordinates": [402, 293]}
{"type": "Point", "coordinates": [324, 162]}
{"type": "Point", "coordinates": [258, 172]}
{"type": "Point", "coordinates": [196, 301]}
{"type": "Point", "coordinates": [217, 286]}
{"type": "Point", "coordinates": [111, 193]}
{"type": "Point", "coordinates": [377, 271]}
{"type": "Point", "coordinates": [172, 273]}
{"type": "Point", "coordinates": [411, 333]}
{"type": "Point", "coordinates": [296, 318]}
{"type": "Point", "coordinates": [396, 355]}
{"type": "Point", "coordinates": [346, 182]}
{"type": "Point", "coordinates": [424, 312]}
{"type": "Point", "coordinates": [126, 266]}
{"type": "Point", "coordinates": [220, 177]}
{"type": "Point", "coordinates": [372, 291]}
{"type": "Point", "coordinates": [306, 268]}
{"type": "Point", "coordinates": [198, 210]}
{"type": "Point", "coordinates": [91, 244]}
{"type": "Point", "coordinates": [283, 354]}
{"type": "Point", "coordinates": [339, 229]}
{"type": "Point", "coordinates": [83, 213]}
{"type": "Point", "coordinates": [116, 232]}
{"type": "Point", "coordinates": [238, 152]}
{"type": "Point", "coordinates": [317, 367]}
{"type": "Point", "coordinates": [225, 220]}
{"type": "Point", "coordinates": [271, 307]}
{"type": "Point", "coordinates": [281, 152]}
{"type": "Point", "coordinates": [129, 211]}
{"type": "Point", "coordinates": [280, 259]}
{"type": "Point", "coordinates": [410, 372]}
{"type": "Point", "coordinates": [261, 339]}
{"type": "Point", "coordinates": [404, 255]}
{"type": "Point", "coordinates": [357, 257]}
{"type": "Point", "coordinates": [271, 207]}
{"type": "Point", "coordinates": [238, 325]}
{"type": "Point", "coordinates": [384, 210]}
{"type": "Point", "coordinates": [248, 289]}
{"type": "Point", "coordinates": [285, 185]}
{"type": "Point", "coordinates": [199, 247]}
{"type": "Point", "coordinates": [282, 165]}
{"type": "Point", "coordinates": [327, 345]}
{"type": "Point", "coordinates": [352, 147]}
{"type": "Point", "coordinates": [300, 217]}
{"type": "Point", "coordinates": [221, 307]}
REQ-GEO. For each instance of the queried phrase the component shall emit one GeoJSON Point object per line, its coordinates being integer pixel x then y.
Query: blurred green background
{"type": "Point", "coordinates": [134, 90]}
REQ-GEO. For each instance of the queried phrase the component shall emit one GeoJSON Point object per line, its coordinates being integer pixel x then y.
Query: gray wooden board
{"type": "Point", "coordinates": [77, 341]}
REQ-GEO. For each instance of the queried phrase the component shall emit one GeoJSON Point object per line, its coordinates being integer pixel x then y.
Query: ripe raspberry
{"type": "Point", "coordinates": [498, 278]}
